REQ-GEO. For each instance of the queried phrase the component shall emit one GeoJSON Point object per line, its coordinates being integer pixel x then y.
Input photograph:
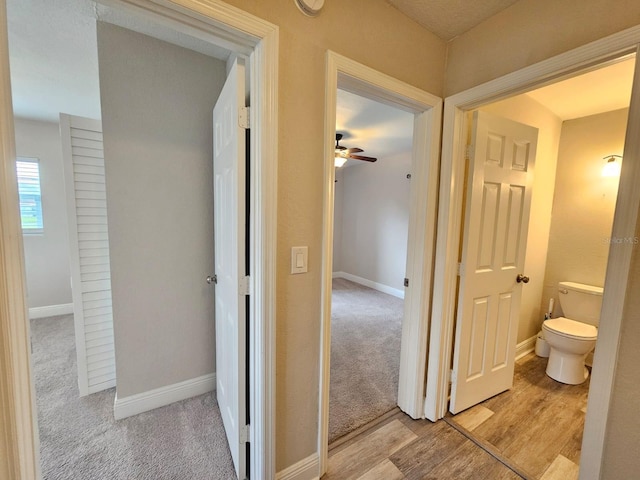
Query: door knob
{"type": "Point", "coordinates": [214, 279]}
{"type": "Point", "coordinates": [522, 278]}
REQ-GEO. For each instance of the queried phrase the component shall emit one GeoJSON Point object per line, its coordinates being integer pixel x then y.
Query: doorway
{"type": "Point", "coordinates": [345, 74]}
{"type": "Point", "coordinates": [371, 216]}
{"type": "Point", "coordinates": [618, 258]}
{"type": "Point", "coordinates": [261, 52]}
{"type": "Point", "coordinates": [569, 240]}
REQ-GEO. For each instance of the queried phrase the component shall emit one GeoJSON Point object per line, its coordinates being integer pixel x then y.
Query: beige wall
{"type": "Point", "coordinates": [584, 202]}
{"type": "Point", "coordinates": [525, 110]}
{"type": "Point", "coordinates": [157, 101]}
{"type": "Point", "coordinates": [375, 34]}
{"type": "Point", "coordinates": [528, 32]}
{"type": "Point", "coordinates": [531, 31]}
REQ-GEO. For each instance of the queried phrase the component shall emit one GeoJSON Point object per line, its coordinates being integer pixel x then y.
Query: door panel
{"type": "Point", "coordinates": [229, 232]}
{"type": "Point", "coordinates": [85, 188]}
{"type": "Point", "coordinates": [494, 244]}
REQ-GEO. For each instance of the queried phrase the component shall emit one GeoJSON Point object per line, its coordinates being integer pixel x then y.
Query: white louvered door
{"type": "Point", "coordinates": [494, 244]}
{"type": "Point", "coordinates": [85, 186]}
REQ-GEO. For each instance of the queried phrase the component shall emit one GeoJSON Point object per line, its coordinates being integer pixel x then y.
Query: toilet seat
{"type": "Point", "coordinates": [568, 328]}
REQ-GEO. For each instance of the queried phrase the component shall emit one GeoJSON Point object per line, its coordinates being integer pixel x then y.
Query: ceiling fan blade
{"type": "Point", "coordinates": [354, 150]}
{"type": "Point", "coordinates": [360, 157]}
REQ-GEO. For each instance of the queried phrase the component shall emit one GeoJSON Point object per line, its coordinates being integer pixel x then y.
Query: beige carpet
{"type": "Point", "coordinates": [366, 327]}
{"type": "Point", "coordinates": [79, 439]}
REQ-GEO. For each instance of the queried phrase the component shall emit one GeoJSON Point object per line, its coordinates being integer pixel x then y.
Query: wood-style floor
{"type": "Point", "coordinates": [537, 424]}
{"type": "Point", "coordinates": [532, 431]}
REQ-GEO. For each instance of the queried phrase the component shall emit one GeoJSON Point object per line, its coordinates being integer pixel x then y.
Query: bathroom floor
{"type": "Point", "coordinates": [536, 426]}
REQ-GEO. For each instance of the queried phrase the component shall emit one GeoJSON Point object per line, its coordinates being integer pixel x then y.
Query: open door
{"type": "Point", "coordinates": [85, 189]}
{"type": "Point", "coordinates": [502, 158]}
{"type": "Point", "coordinates": [229, 177]}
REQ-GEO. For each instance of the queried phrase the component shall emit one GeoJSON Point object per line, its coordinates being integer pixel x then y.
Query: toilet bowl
{"type": "Point", "coordinates": [569, 343]}
{"type": "Point", "coordinates": [572, 337]}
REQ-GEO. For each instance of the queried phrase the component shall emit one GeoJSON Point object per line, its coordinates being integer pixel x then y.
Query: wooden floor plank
{"type": "Point", "coordinates": [365, 429]}
{"type": "Point", "coordinates": [562, 469]}
{"type": "Point", "coordinates": [357, 458]}
{"type": "Point", "coordinates": [427, 452]}
{"type": "Point", "coordinates": [573, 447]}
{"type": "Point", "coordinates": [473, 417]}
{"type": "Point", "coordinates": [384, 470]}
{"type": "Point", "coordinates": [490, 449]}
{"type": "Point", "coordinates": [419, 427]}
{"type": "Point", "coordinates": [470, 462]}
{"type": "Point", "coordinates": [535, 421]}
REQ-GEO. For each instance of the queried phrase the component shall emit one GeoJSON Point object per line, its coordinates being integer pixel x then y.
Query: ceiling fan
{"type": "Point", "coordinates": [344, 153]}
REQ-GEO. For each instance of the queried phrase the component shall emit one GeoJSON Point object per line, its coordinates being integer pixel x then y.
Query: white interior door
{"type": "Point", "coordinates": [83, 160]}
{"type": "Point", "coordinates": [230, 232]}
{"type": "Point", "coordinates": [502, 158]}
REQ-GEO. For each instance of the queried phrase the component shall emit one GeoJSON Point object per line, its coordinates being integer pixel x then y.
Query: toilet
{"type": "Point", "coordinates": [572, 337]}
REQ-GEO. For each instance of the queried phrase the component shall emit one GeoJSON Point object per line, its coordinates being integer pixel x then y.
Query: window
{"type": "Point", "coordinates": [30, 197]}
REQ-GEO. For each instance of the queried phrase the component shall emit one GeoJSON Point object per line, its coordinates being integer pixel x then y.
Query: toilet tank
{"type": "Point", "coordinates": [580, 302]}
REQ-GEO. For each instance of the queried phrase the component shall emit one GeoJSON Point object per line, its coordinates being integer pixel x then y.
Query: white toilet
{"type": "Point", "coordinates": [572, 337]}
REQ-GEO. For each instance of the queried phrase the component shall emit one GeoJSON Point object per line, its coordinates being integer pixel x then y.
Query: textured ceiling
{"type": "Point", "coordinates": [53, 68]}
{"type": "Point", "coordinates": [450, 18]}
{"type": "Point", "coordinates": [53, 54]}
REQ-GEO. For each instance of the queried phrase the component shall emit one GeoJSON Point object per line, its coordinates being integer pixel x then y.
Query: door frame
{"type": "Point", "coordinates": [346, 74]}
{"type": "Point", "coordinates": [237, 30]}
{"type": "Point", "coordinates": [588, 57]}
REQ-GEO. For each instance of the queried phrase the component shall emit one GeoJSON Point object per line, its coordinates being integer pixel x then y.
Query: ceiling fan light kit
{"type": "Point", "coordinates": [311, 8]}
{"type": "Point", "coordinates": [342, 154]}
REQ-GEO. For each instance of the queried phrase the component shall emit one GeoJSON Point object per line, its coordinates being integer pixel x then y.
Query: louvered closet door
{"type": "Point", "coordinates": [89, 251]}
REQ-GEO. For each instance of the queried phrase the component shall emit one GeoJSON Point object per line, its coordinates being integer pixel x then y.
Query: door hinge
{"type": "Point", "coordinates": [245, 285]}
{"type": "Point", "coordinates": [460, 269]}
{"type": "Point", "coordinates": [245, 434]}
{"type": "Point", "coordinates": [406, 282]}
{"type": "Point", "coordinates": [244, 117]}
{"type": "Point", "coordinates": [468, 151]}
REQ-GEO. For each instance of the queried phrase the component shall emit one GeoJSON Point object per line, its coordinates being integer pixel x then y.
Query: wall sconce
{"type": "Point", "coordinates": [612, 167]}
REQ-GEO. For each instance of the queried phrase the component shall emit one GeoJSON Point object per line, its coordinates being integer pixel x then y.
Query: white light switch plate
{"type": "Point", "coordinates": [299, 259]}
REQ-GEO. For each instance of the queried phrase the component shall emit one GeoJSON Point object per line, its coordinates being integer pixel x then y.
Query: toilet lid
{"type": "Point", "coordinates": [571, 328]}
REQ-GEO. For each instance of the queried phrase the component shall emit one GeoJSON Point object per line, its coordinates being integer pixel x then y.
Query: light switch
{"type": "Point", "coordinates": [299, 257]}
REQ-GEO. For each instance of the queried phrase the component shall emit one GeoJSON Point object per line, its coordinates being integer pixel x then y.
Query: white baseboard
{"type": "Point", "coordinates": [305, 469]}
{"type": "Point", "coordinates": [525, 347]}
{"type": "Point", "coordinates": [371, 284]}
{"type": "Point", "coordinates": [159, 397]}
{"type": "Point", "coordinates": [51, 310]}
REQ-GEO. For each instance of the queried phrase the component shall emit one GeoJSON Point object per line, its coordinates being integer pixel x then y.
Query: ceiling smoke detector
{"type": "Point", "coordinates": [310, 8]}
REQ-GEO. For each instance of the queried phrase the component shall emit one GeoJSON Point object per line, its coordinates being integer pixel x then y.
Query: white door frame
{"type": "Point", "coordinates": [587, 57]}
{"type": "Point", "coordinates": [235, 29]}
{"type": "Point", "coordinates": [354, 77]}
